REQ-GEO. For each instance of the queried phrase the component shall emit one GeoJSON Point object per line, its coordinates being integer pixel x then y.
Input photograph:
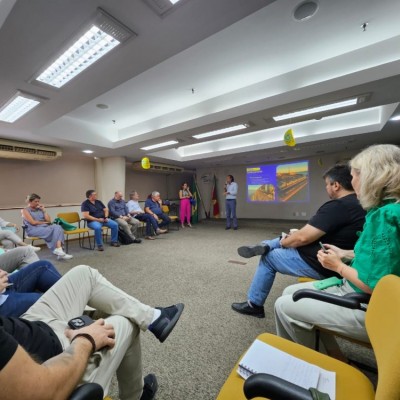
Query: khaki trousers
{"type": "Point", "coordinates": [67, 299]}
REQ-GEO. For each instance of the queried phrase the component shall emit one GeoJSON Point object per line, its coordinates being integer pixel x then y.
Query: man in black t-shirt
{"type": "Point", "coordinates": [69, 356]}
{"type": "Point", "coordinates": [336, 222]}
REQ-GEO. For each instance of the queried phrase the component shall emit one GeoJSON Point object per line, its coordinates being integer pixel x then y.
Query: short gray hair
{"type": "Point", "coordinates": [153, 194]}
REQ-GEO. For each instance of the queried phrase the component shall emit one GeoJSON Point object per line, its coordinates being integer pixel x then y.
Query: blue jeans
{"type": "Point", "coordinates": [98, 233]}
{"type": "Point", "coordinates": [150, 222]}
{"type": "Point", "coordinates": [27, 283]}
{"type": "Point", "coordinates": [165, 220]}
{"type": "Point", "coordinates": [230, 208]}
{"type": "Point", "coordinates": [278, 259]}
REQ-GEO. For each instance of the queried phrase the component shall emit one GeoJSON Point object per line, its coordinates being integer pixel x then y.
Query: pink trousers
{"type": "Point", "coordinates": [185, 211]}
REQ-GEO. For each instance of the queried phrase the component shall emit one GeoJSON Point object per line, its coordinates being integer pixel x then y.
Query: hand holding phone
{"type": "Point", "coordinates": [324, 249]}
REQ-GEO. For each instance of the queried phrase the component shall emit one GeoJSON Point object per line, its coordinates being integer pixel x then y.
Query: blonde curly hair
{"type": "Point", "coordinates": [379, 170]}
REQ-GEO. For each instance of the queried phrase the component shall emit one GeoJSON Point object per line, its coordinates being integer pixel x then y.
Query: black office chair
{"type": "Point", "coordinates": [88, 391]}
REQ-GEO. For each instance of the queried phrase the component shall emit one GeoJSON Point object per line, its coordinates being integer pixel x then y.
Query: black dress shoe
{"type": "Point", "coordinates": [251, 251]}
{"type": "Point", "coordinates": [227, 228]}
{"type": "Point", "coordinates": [150, 387]}
{"type": "Point", "coordinates": [166, 322]}
{"type": "Point", "coordinates": [245, 308]}
{"type": "Point", "coordinates": [137, 241]}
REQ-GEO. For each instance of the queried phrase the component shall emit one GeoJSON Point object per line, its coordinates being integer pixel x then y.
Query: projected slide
{"type": "Point", "coordinates": [278, 183]}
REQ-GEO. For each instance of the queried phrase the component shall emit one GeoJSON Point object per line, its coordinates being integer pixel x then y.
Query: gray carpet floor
{"type": "Point", "coordinates": [201, 268]}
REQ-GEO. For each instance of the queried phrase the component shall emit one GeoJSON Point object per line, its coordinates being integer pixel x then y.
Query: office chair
{"type": "Point", "coordinates": [87, 391]}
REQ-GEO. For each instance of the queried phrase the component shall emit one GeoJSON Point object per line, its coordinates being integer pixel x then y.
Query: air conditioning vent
{"type": "Point", "coordinates": [160, 168]}
{"type": "Point", "coordinates": [28, 151]}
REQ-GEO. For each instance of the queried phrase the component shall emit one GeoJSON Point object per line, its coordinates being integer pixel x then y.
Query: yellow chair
{"type": "Point", "coordinates": [74, 218]}
{"type": "Point", "coordinates": [26, 237]}
{"type": "Point", "coordinates": [382, 318]}
{"type": "Point", "coordinates": [173, 218]}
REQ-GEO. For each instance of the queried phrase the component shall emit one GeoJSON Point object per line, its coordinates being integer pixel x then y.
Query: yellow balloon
{"type": "Point", "coordinates": [288, 138]}
{"type": "Point", "coordinates": [145, 163]}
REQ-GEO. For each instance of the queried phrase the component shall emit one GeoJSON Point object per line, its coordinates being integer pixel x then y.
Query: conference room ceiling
{"type": "Point", "coordinates": [206, 65]}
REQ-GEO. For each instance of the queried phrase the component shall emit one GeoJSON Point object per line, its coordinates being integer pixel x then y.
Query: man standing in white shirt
{"type": "Point", "coordinates": [230, 192]}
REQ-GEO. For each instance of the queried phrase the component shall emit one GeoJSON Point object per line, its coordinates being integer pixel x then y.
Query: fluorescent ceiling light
{"type": "Point", "coordinates": [87, 151]}
{"type": "Point", "coordinates": [156, 146]}
{"type": "Point", "coordinates": [396, 118]}
{"type": "Point", "coordinates": [313, 110]}
{"type": "Point", "coordinates": [220, 131]}
{"type": "Point", "coordinates": [20, 104]}
{"type": "Point", "coordinates": [173, 1]}
{"type": "Point", "coordinates": [99, 37]}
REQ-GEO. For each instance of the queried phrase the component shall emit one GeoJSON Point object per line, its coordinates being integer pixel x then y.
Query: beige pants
{"type": "Point", "coordinates": [17, 258]}
{"type": "Point", "coordinates": [8, 239]}
{"type": "Point", "coordinates": [67, 299]}
{"type": "Point", "coordinates": [130, 226]}
{"type": "Point", "coordinates": [295, 320]}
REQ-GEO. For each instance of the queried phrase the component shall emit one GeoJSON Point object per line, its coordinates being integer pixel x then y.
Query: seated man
{"type": "Point", "coordinates": [119, 213]}
{"type": "Point", "coordinates": [136, 211]}
{"type": "Point", "coordinates": [81, 355]}
{"type": "Point", "coordinates": [8, 238]}
{"type": "Point", "coordinates": [96, 215]}
{"type": "Point", "coordinates": [22, 288]}
{"type": "Point", "coordinates": [152, 206]}
{"type": "Point", "coordinates": [17, 258]}
{"type": "Point", "coordinates": [336, 222]}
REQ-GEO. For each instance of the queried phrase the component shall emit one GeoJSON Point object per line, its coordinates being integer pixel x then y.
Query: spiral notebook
{"type": "Point", "coordinates": [263, 358]}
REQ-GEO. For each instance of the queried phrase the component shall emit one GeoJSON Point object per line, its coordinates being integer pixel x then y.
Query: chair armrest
{"type": "Point", "coordinates": [354, 301]}
{"type": "Point", "coordinates": [88, 391]}
{"type": "Point", "coordinates": [273, 388]}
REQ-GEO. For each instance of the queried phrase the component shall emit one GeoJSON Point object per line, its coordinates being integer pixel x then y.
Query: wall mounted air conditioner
{"type": "Point", "coordinates": [28, 151]}
{"type": "Point", "coordinates": [156, 167]}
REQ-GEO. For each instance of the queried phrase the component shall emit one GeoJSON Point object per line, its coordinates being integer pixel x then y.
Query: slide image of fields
{"type": "Point", "coordinates": [262, 193]}
{"type": "Point", "coordinates": [292, 182]}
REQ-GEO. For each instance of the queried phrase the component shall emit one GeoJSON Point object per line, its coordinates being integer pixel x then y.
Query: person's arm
{"type": "Point", "coordinates": [181, 196]}
{"type": "Point", "coordinates": [330, 260]}
{"type": "Point", "coordinates": [3, 280]}
{"type": "Point", "coordinates": [306, 235]}
{"type": "Point", "coordinates": [32, 221]}
{"type": "Point", "coordinates": [111, 210]}
{"type": "Point", "coordinates": [342, 254]}
{"type": "Point", "coordinates": [55, 379]}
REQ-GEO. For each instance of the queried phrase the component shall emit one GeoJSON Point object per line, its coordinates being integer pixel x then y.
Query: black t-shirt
{"type": "Point", "coordinates": [340, 219]}
{"type": "Point", "coordinates": [37, 338]}
{"type": "Point", "coordinates": [95, 210]}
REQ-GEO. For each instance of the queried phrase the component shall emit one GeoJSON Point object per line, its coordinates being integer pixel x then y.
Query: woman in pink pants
{"type": "Point", "coordinates": [185, 207]}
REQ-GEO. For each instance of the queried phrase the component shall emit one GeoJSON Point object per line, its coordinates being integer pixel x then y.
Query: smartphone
{"type": "Point", "coordinates": [80, 322]}
{"type": "Point", "coordinates": [324, 249]}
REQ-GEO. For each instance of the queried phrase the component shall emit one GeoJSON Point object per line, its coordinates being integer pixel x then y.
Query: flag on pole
{"type": "Point", "coordinates": [195, 213]}
{"type": "Point", "coordinates": [214, 198]}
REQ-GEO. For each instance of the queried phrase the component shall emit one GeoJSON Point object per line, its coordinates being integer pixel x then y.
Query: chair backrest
{"type": "Point", "coordinates": [382, 323]}
{"type": "Point", "coordinates": [70, 217]}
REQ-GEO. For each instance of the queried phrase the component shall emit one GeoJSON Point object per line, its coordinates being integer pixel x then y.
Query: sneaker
{"type": "Point", "coordinates": [249, 308]}
{"type": "Point", "coordinates": [115, 244]}
{"type": "Point", "coordinates": [66, 257]}
{"type": "Point", "coordinates": [189, 225]}
{"type": "Point", "coordinates": [100, 248]}
{"type": "Point", "coordinates": [251, 251]}
{"type": "Point", "coordinates": [59, 252]}
{"type": "Point", "coordinates": [150, 238]}
{"type": "Point", "coordinates": [35, 248]}
{"type": "Point", "coordinates": [160, 231]}
{"type": "Point", "coordinates": [165, 323]}
{"type": "Point", "coordinates": [150, 387]}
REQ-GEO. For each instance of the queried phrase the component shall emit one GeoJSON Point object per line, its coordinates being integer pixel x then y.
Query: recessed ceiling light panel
{"type": "Point", "coordinates": [101, 35]}
{"type": "Point", "coordinates": [221, 131]}
{"type": "Point", "coordinates": [156, 146]}
{"type": "Point", "coordinates": [318, 109]}
{"type": "Point", "coordinates": [20, 104]}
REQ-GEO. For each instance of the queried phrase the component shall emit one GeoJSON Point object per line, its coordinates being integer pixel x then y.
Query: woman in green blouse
{"type": "Point", "coordinates": [376, 181]}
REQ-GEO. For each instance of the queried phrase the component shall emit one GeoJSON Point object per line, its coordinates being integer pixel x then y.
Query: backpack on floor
{"type": "Point", "coordinates": [123, 237]}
